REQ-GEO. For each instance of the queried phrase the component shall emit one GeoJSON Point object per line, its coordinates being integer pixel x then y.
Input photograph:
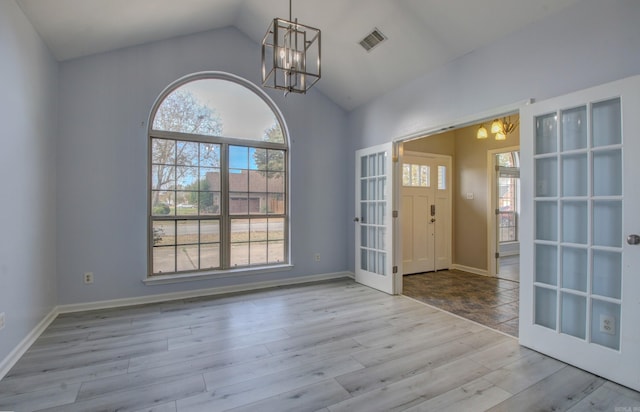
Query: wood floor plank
{"type": "Point", "coordinates": [396, 369]}
{"type": "Point", "coordinates": [415, 389]}
{"type": "Point", "coordinates": [477, 395]}
{"type": "Point", "coordinates": [221, 357]}
{"type": "Point", "coordinates": [244, 393]}
{"type": "Point", "coordinates": [286, 361]}
{"type": "Point", "coordinates": [32, 401]}
{"type": "Point", "coordinates": [138, 398]}
{"type": "Point", "coordinates": [605, 399]}
{"type": "Point", "coordinates": [307, 399]}
{"type": "Point", "coordinates": [12, 384]}
{"type": "Point", "coordinates": [524, 372]}
{"type": "Point", "coordinates": [165, 407]}
{"type": "Point", "coordinates": [558, 392]}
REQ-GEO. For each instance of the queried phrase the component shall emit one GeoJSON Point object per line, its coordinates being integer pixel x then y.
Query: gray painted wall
{"type": "Point", "coordinates": [28, 169]}
{"type": "Point", "coordinates": [105, 102]}
{"type": "Point", "coordinates": [585, 45]}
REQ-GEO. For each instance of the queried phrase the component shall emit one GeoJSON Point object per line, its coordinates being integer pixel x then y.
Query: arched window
{"type": "Point", "coordinates": [218, 178]}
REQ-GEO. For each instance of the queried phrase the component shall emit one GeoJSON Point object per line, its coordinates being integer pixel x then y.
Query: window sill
{"type": "Point", "coordinates": [190, 277]}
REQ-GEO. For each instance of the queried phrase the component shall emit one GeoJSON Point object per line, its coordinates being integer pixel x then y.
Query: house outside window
{"type": "Point", "coordinates": [218, 178]}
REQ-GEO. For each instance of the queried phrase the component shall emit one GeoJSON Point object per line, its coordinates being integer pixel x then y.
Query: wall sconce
{"type": "Point", "coordinates": [500, 128]}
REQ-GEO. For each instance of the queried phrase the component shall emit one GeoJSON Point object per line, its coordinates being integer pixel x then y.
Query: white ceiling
{"type": "Point", "coordinates": [422, 34]}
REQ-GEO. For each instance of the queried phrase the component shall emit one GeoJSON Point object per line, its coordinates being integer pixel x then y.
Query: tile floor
{"type": "Point", "coordinates": [490, 301]}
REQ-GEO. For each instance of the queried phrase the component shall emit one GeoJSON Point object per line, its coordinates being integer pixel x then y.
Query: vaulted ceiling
{"type": "Point", "coordinates": [422, 34]}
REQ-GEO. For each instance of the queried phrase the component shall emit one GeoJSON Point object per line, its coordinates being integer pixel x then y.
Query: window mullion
{"type": "Point", "coordinates": [225, 220]}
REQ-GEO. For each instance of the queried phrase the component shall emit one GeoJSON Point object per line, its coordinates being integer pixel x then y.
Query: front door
{"type": "Point", "coordinates": [580, 255]}
{"type": "Point", "coordinates": [374, 218]}
{"type": "Point", "coordinates": [426, 213]}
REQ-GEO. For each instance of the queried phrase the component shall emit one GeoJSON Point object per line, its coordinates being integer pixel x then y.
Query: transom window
{"type": "Point", "coordinates": [218, 178]}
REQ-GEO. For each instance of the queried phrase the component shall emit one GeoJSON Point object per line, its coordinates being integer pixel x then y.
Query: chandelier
{"type": "Point", "coordinates": [290, 56]}
{"type": "Point", "coordinates": [501, 128]}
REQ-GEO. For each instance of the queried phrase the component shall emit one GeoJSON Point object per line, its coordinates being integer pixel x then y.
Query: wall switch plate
{"type": "Point", "coordinates": [607, 324]}
{"type": "Point", "coordinates": [1, 320]}
{"type": "Point", "coordinates": [88, 278]}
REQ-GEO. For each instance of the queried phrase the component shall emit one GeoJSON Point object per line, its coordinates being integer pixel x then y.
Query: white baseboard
{"type": "Point", "coordinates": [12, 358]}
{"type": "Point", "coordinates": [140, 300]}
{"type": "Point", "coordinates": [470, 269]}
{"type": "Point", "coordinates": [15, 355]}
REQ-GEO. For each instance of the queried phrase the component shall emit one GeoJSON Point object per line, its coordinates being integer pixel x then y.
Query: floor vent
{"type": "Point", "coordinates": [372, 40]}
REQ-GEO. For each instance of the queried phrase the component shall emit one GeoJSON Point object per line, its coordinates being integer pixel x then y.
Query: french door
{"type": "Point", "coordinates": [374, 219]}
{"type": "Point", "coordinates": [580, 255]}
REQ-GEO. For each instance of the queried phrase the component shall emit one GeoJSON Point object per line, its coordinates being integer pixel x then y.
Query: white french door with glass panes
{"type": "Point", "coordinates": [374, 218]}
{"type": "Point", "coordinates": [580, 258]}
{"type": "Point", "coordinates": [425, 213]}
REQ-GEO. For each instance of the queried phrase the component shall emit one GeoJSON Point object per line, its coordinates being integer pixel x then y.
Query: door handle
{"type": "Point", "coordinates": [356, 219]}
{"type": "Point", "coordinates": [432, 220]}
{"type": "Point", "coordinates": [633, 239]}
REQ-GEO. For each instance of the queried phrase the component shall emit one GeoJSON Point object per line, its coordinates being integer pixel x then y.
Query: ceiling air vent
{"type": "Point", "coordinates": [372, 40]}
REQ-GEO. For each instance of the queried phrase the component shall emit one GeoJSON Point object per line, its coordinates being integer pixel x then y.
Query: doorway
{"type": "Point", "coordinates": [468, 286]}
{"type": "Point", "coordinates": [426, 212]}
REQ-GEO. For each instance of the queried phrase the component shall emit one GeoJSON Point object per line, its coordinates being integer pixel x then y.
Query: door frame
{"type": "Point", "coordinates": [492, 223]}
{"type": "Point", "coordinates": [398, 181]}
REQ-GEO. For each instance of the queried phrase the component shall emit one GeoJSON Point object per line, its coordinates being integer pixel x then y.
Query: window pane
{"type": "Point", "coordinates": [238, 180]}
{"type": "Point", "coordinates": [210, 256]}
{"type": "Point", "coordinates": [258, 253]}
{"type": "Point", "coordinates": [164, 259]}
{"type": "Point", "coordinates": [276, 252]}
{"type": "Point", "coordinates": [415, 175]}
{"type": "Point", "coordinates": [275, 203]}
{"type": "Point", "coordinates": [209, 203]}
{"type": "Point", "coordinates": [187, 178]}
{"type": "Point", "coordinates": [163, 177]}
{"type": "Point", "coordinates": [240, 230]}
{"type": "Point", "coordinates": [218, 107]}
{"type": "Point", "coordinates": [209, 155]}
{"type": "Point", "coordinates": [164, 233]}
{"type": "Point", "coordinates": [187, 203]}
{"type": "Point", "coordinates": [442, 178]}
{"type": "Point", "coordinates": [259, 230]}
{"type": "Point", "coordinates": [162, 203]}
{"type": "Point", "coordinates": [276, 160]}
{"type": "Point", "coordinates": [238, 157]}
{"type": "Point", "coordinates": [187, 232]}
{"type": "Point", "coordinates": [187, 153]}
{"type": "Point", "coordinates": [238, 204]}
{"type": "Point", "coordinates": [258, 159]}
{"type": "Point", "coordinates": [425, 178]}
{"type": "Point", "coordinates": [275, 182]}
{"type": "Point", "coordinates": [163, 151]}
{"type": "Point", "coordinates": [239, 254]}
{"type": "Point", "coordinates": [406, 175]}
{"type": "Point", "coordinates": [187, 257]}
{"type": "Point", "coordinates": [257, 181]}
{"type": "Point", "coordinates": [276, 229]}
{"type": "Point", "coordinates": [209, 231]}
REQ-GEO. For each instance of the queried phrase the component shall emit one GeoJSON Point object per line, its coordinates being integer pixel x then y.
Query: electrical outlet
{"type": "Point", "coordinates": [1, 320]}
{"type": "Point", "coordinates": [316, 257]}
{"type": "Point", "coordinates": [607, 324]}
{"type": "Point", "coordinates": [88, 278]}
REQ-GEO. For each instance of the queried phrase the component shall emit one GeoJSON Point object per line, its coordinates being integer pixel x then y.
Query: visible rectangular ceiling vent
{"type": "Point", "coordinates": [372, 40]}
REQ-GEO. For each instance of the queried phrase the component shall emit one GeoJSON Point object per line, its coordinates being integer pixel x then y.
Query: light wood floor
{"type": "Point", "coordinates": [331, 346]}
